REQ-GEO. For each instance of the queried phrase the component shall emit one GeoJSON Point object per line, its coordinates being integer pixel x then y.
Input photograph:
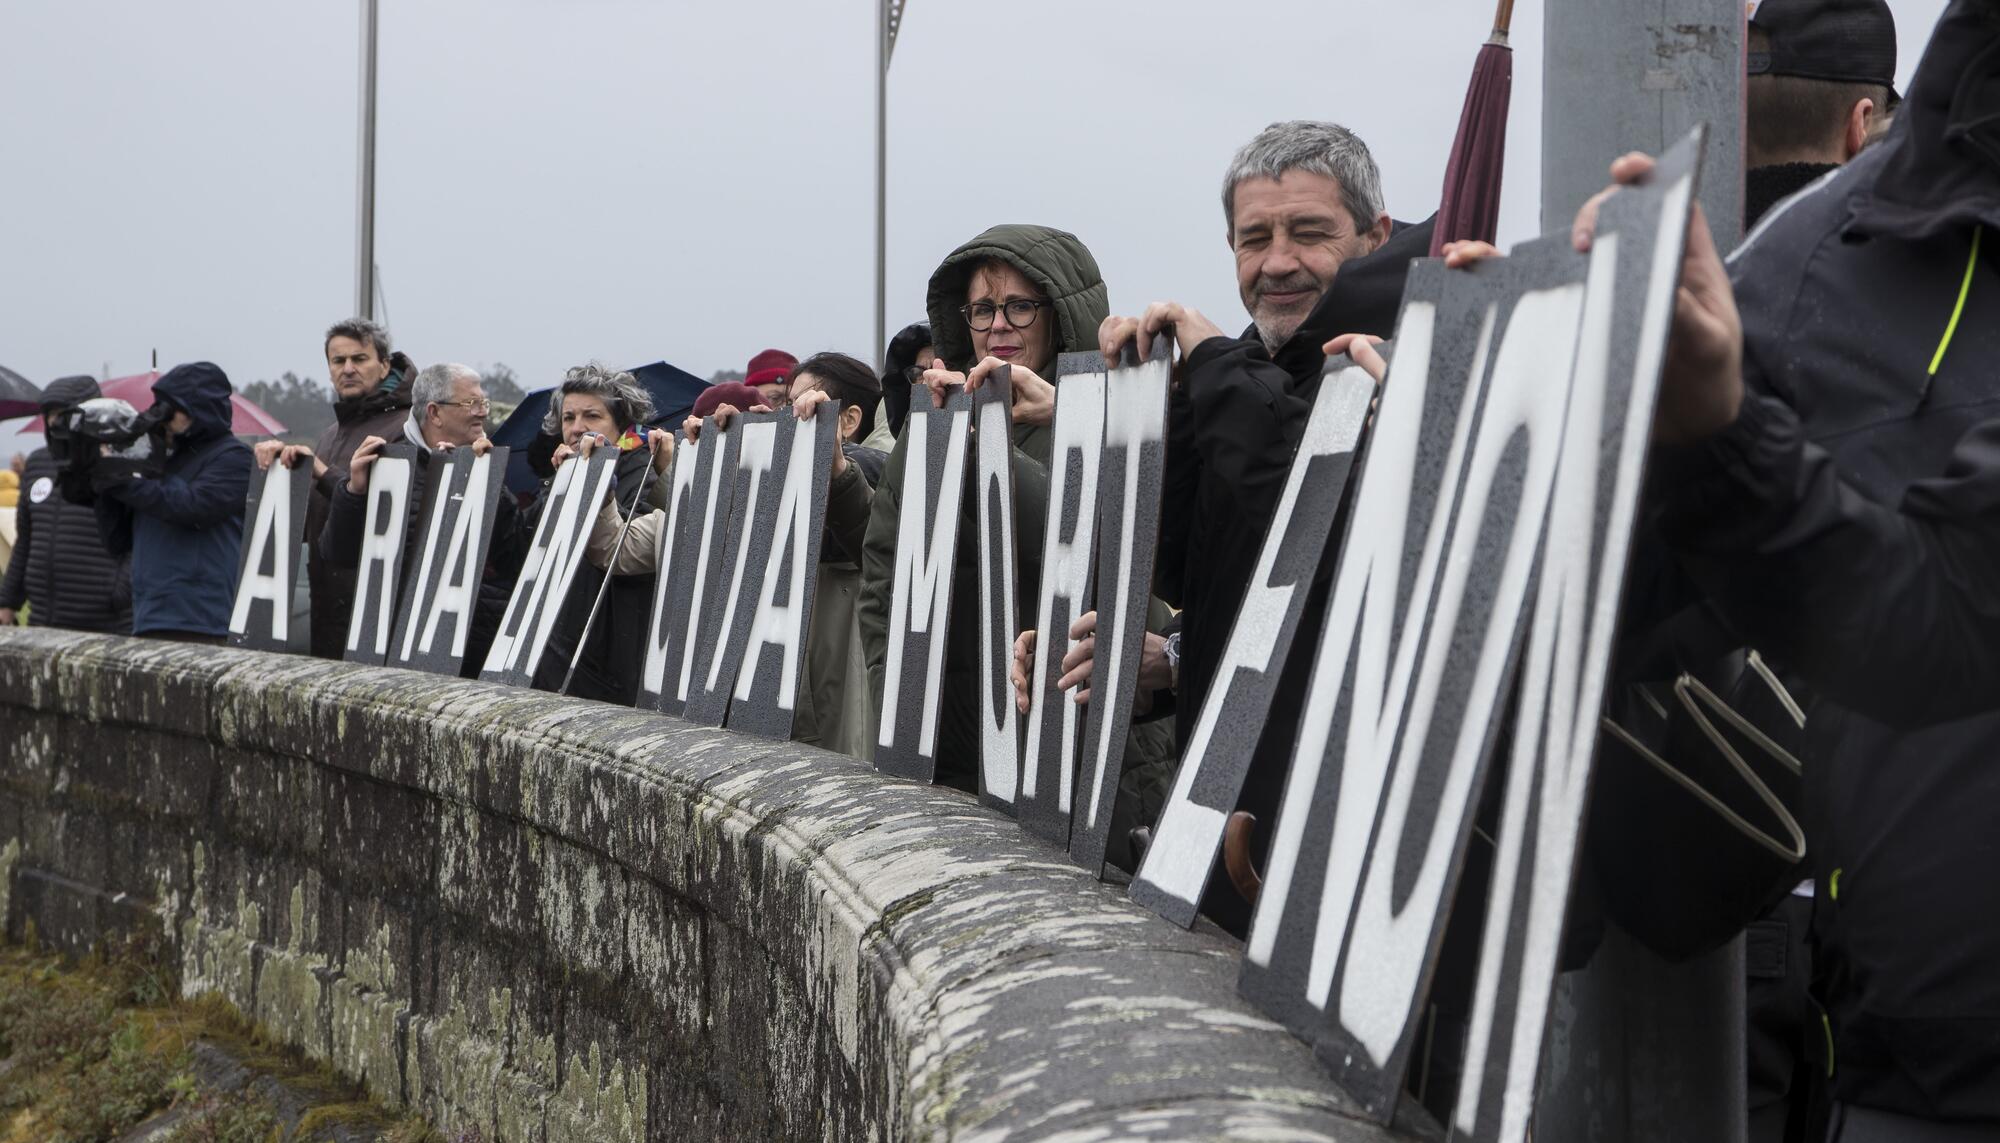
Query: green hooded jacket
{"type": "Point", "coordinates": [1061, 267]}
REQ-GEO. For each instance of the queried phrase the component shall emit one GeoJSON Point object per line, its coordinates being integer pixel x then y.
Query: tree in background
{"type": "Point", "coordinates": [305, 406]}
{"type": "Point", "coordinates": [503, 385]}
{"type": "Point", "coordinates": [724, 375]}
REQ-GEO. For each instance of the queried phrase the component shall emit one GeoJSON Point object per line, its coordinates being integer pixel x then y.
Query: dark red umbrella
{"type": "Point", "coordinates": [246, 417]}
{"type": "Point", "coordinates": [1470, 207]}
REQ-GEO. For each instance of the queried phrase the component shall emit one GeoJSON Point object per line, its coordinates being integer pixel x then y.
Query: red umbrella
{"type": "Point", "coordinates": [245, 416]}
{"type": "Point", "coordinates": [1471, 204]}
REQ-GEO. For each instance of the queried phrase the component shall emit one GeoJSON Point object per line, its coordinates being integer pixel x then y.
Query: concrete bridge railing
{"type": "Point", "coordinates": [560, 920]}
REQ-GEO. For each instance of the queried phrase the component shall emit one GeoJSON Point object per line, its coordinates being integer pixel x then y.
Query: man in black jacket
{"type": "Point", "coordinates": [60, 567]}
{"type": "Point", "coordinates": [448, 411]}
{"type": "Point", "coordinates": [1864, 348]}
{"type": "Point", "coordinates": [1316, 256]}
{"type": "Point", "coordinates": [371, 391]}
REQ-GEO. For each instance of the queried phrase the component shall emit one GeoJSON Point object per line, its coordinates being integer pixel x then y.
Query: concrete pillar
{"type": "Point", "coordinates": [1639, 1049]}
{"type": "Point", "coordinates": [1625, 75]}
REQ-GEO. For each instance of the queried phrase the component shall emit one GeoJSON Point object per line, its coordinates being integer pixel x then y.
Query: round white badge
{"type": "Point", "coordinates": [40, 489]}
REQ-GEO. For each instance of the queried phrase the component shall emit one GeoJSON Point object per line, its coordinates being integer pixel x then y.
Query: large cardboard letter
{"type": "Point", "coordinates": [759, 441]}
{"type": "Point", "coordinates": [1634, 274]}
{"type": "Point", "coordinates": [268, 567]}
{"type": "Point", "coordinates": [1128, 512]}
{"type": "Point", "coordinates": [560, 538]}
{"type": "Point", "coordinates": [999, 607]}
{"type": "Point", "coordinates": [920, 598]}
{"type": "Point", "coordinates": [776, 613]}
{"type": "Point", "coordinates": [1069, 538]}
{"type": "Point", "coordinates": [1175, 869]}
{"type": "Point", "coordinates": [394, 486]}
{"type": "Point", "coordinates": [459, 504]}
{"type": "Point", "coordinates": [659, 682]}
{"type": "Point", "coordinates": [1377, 810]}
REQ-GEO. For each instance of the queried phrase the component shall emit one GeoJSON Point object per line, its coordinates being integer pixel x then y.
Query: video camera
{"type": "Point", "coordinates": [106, 438]}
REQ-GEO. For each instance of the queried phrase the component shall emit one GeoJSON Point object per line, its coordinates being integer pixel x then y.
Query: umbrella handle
{"type": "Point", "coordinates": [1503, 20]}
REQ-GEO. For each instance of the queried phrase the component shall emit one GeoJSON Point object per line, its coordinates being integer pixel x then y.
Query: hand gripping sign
{"type": "Point", "coordinates": [268, 570]}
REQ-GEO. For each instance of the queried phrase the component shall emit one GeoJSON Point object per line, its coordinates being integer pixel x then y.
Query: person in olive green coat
{"type": "Point", "coordinates": [1017, 295]}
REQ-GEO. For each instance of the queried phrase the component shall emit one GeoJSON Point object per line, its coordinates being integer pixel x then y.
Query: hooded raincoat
{"type": "Point", "coordinates": [184, 528]}
{"type": "Point", "coordinates": [1063, 269]}
{"type": "Point", "coordinates": [1825, 526]}
{"type": "Point", "coordinates": [60, 565]}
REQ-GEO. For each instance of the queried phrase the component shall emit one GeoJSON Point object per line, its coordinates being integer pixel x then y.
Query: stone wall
{"type": "Point", "coordinates": [560, 920]}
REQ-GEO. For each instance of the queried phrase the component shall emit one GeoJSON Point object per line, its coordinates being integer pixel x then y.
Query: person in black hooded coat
{"type": "Point", "coordinates": [184, 526]}
{"type": "Point", "coordinates": [1808, 496]}
{"type": "Point", "coordinates": [1236, 416]}
{"type": "Point", "coordinates": [60, 567]}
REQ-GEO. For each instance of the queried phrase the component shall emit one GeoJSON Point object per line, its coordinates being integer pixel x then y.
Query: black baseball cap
{"type": "Point", "coordinates": [1846, 41]}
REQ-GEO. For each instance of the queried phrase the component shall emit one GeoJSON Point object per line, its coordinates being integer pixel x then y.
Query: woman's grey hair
{"type": "Point", "coordinates": [1315, 148]}
{"type": "Point", "coordinates": [436, 382]}
{"type": "Point", "coordinates": [360, 329]}
{"type": "Point", "coordinates": [621, 393]}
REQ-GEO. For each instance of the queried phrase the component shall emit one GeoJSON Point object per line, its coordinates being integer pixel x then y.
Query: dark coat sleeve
{"type": "Point", "coordinates": [1891, 612]}
{"type": "Point", "coordinates": [340, 538]}
{"type": "Point", "coordinates": [848, 497]}
{"type": "Point", "coordinates": [114, 525]}
{"type": "Point", "coordinates": [211, 495]}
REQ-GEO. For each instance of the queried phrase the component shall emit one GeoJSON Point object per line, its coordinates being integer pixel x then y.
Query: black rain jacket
{"type": "Point", "coordinates": [60, 565]}
{"type": "Point", "coordinates": [1826, 526]}
{"type": "Point", "coordinates": [1234, 423]}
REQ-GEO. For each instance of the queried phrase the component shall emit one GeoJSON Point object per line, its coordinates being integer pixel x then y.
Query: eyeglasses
{"type": "Point", "coordinates": [1021, 313]}
{"type": "Point", "coordinates": [481, 406]}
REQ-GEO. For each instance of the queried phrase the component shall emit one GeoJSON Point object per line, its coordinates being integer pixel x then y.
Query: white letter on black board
{"type": "Point", "coordinates": [276, 508]}
{"type": "Point", "coordinates": [574, 499]}
{"type": "Point", "coordinates": [756, 446]}
{"type": "Point", "coordinates": [459, 506]}
{"type": "Point", "coordinates": [993, 472]}
{"type": "Point", "coordinates": [391, 489]}
{"type": "Point", "coordinates": [920, 599]}
{"type": "Point", "coordinates": [1128, 512]}
{"type": "Point", "coordinates": [1634, 274]}
{"type": "Point", "coordinates": [672, 585]}
{"type": "Point", "coordinates": [1405, 758]}
{"type": "Point", "coordinates": [1069, 534]}
{"type": "Point", "coordinates": [1175, 869]}
{"type": "Point", "coordinates": [781, 594]}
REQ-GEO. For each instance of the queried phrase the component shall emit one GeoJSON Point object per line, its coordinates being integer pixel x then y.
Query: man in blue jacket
{"type": "Point", "coordinates": [183, 527]}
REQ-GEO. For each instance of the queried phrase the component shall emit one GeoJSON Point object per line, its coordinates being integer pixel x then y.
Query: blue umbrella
{"type": "Point", "coordinates": [673, 391]}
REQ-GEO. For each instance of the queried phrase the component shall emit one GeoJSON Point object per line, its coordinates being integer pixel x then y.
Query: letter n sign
{"type": "Point", "coordinates": [1493, 517]}
{"type": "Point", "coordinates": [920, 596]}
{"type": "Point", "coordinates": [268, 570]}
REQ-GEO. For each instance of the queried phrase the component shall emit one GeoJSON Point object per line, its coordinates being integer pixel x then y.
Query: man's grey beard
{"type": "Point", "coordinates": [1269, 337]}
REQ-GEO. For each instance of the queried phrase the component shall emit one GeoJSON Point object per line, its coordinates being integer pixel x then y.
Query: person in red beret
{"type": "Point", "coordinates": [768, 374]}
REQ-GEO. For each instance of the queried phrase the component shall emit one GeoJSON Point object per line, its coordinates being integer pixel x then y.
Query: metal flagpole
{"type": "Point", "coordinates": [364, 266]}
{"type": "Point", "coordinates": [888, 18]}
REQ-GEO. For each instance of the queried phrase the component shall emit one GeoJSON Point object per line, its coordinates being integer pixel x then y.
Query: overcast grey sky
{"type": "Point", "coordinates": [631, 180]}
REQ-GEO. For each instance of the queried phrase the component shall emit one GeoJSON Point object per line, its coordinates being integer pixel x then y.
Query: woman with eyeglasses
{"type": "Point", "coordinates": [1015, 295]}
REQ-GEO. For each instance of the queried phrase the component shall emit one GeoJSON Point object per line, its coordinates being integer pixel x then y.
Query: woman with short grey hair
{"type": "Point", "coordinates": [592, 397]}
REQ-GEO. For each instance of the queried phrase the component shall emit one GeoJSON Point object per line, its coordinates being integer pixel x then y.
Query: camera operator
{"type": "Point", "coordinates": [60, 569]}
{"type": "Point", "coordinates": [181, 518]}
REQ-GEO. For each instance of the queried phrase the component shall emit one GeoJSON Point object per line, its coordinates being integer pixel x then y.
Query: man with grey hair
{"type": "Point", "coordinates": [448, 411]}
{"type": "Point", "coordinates": [1316, 256]}
{"type": "Point", "coordinates": [370, 399]}
{"type": "Point", "coordinates": [448, 407]}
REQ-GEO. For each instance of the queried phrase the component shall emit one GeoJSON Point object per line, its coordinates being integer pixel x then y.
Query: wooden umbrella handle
{"type": "Point", "coordinates": [1503, 18]}
{"type": "Point", "coordinates": [1236, 836]}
